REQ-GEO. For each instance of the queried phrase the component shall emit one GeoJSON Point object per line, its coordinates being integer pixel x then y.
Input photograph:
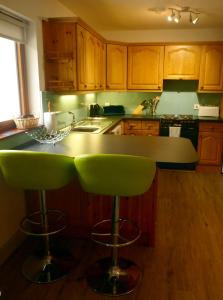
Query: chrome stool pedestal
{"type": "Point", "coordinates": [112, 275]}
{"type": "Point", "coordinates": [46, 267]}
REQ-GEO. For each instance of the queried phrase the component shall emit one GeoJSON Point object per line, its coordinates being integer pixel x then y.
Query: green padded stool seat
{"type": "Point", "coordinates": [39, 171]}
{"type": "Point", "coordinates": [114, 175]}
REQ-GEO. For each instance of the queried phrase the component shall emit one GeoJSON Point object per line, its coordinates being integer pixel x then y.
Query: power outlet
{"type": "Point", "coordinates": [196, 106]}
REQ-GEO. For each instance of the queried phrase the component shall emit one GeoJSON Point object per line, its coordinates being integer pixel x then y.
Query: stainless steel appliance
{"type": "Point", "coordinates": [189, 129]}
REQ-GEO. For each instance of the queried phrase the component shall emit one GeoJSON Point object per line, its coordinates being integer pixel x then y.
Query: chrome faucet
{"type": "Point", "coordinates": [73, 119]}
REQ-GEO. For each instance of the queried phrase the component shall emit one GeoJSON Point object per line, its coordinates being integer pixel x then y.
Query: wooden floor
{"type": "Point", "coordinates": [186, 264]}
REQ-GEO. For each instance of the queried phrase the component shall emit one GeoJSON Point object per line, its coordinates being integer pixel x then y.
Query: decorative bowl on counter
{"type": "Point", "coordinates": [43, 136]}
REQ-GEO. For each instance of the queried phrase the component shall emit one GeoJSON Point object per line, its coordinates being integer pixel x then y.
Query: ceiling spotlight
{"type": "Point", "coordinates": [176, 14]}
{"type": "Point", "coordinates": [177, 18]}
{"type": "Point", "coordinates": [170, 17]}
{"type": "Point", "coordinates": [195, 20]}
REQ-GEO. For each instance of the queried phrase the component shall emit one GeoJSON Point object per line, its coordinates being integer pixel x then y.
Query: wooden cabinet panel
{"type": "Point", "coordinates": [211, 71]}
{"type": "Point", "coordinates": [84, 210]}
{"type": "Point", "coordinates": [99, 64]}
{"type": "Point", "coordinates": [141, 127]}
{"type": "Point", "coordinates": [116, 67]}
{"type": "Point", "coordinates": [210, 144]}
{"type": "Point", "coordinates": [145, 67]}
{"type": "Point", "coordinates": [90, 60]}
{"type": "Point", "coordinates": [182, 62]}
{"type": "Point", "coordinates": [132, 124]}
{"type": "Point", "coordinates": [59, 42]}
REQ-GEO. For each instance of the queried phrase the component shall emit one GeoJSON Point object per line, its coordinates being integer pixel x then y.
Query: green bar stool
{"type": "Point", "coordinates": [40, 171]}
{"type": "Point", "coordinates": [114, 175]}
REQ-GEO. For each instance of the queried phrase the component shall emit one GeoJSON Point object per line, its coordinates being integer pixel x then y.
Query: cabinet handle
{"type": "Point", "coordinates": [85, 86]}
{"type": "Point", "coordinates": [107, 86]}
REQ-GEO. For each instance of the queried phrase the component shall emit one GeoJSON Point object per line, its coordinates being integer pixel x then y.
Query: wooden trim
{"type": "Point", "coordinates": [20, 48]}
{"type": "Point", "coordinates": [7, 125]}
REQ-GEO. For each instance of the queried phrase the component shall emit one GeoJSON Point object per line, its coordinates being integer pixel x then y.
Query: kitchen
{"type": "Point", "coordinates": [173, 100]}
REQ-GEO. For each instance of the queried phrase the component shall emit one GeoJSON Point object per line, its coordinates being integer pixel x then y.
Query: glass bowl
{"type": "Point", "coordinates": [43, 136]}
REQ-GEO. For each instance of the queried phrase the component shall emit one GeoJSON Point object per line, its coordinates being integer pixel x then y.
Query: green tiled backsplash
{"type": "Point", "coordinates": [178, 97]}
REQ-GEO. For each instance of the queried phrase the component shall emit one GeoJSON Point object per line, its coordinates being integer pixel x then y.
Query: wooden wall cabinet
{"type": "Point", "coordinates": [182, 62]}
{"type": "Point", "coordinates": [211, 71]}
{"type": "Point", "coordinates": [59, 43]}
{"type": "Point", "coordinates": [145, 67]}
{"type": "Point", "coordinates": [116, 67]}
{"type": "Point", "coordinates": [210, 145]}
{"type": "Point", "coordinates": [141, 127]}
{"type": "Point", "coordinates": [90, 61]}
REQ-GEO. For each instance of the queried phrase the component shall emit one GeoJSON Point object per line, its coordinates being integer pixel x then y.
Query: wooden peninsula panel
{"type": "Point", "coordinates": [84, 210]}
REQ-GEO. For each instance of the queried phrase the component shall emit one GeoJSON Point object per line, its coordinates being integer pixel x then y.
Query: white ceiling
{"type": "Point", "coordinates": [144, 14]}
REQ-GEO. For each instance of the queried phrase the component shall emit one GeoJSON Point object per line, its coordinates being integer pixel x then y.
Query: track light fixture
{"type": "Point", "coordinates": [175, 14]}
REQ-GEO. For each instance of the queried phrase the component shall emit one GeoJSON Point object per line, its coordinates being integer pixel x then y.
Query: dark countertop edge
{"type": "Point", "coordinates": [158, 117]}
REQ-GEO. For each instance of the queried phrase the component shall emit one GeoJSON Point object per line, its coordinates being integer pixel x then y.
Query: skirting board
{"type": "Point", "coordinates": [11, 245]}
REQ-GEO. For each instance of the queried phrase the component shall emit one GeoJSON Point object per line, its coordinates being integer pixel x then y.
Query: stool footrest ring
{"type": "Point", "coordinates": [32, 224]}
{"type": "Point", "coordinates": [129, 232]}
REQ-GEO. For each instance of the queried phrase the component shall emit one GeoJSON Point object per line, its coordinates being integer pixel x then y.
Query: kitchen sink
{"type": "Point", "coordinates": [92, 125]}
{"type": "Point", "coordinates": [85, 129]}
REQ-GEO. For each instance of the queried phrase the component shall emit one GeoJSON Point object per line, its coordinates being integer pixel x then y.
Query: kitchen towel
{"type": "Point", "coordinates": [174, 131]}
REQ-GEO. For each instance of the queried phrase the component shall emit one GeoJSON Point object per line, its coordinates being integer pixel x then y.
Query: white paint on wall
{"type": "Point", "coordinates": [164, 36]}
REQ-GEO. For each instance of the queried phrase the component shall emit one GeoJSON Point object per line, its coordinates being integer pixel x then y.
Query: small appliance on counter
{"type": "Point", "coordinates": [56, 120]}
{"type": "Point", "coordinates": [95, 110]}
{"type": "Point", "coordinates": [208, 111]}
{"type": "Point", "coordinates": [114, 110]}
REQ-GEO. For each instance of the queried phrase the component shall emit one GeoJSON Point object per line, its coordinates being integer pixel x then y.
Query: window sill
{"type": "Point", "coordinates": [11, 132]}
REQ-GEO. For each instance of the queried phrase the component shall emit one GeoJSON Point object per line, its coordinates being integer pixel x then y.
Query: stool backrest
{"type": "Point", "coordinates": [115, 174]}
{"type": "Point", "coordinates": [36, 170]}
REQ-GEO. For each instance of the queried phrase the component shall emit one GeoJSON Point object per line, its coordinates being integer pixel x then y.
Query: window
{"type": "Point", "coordinates": [13, 94]}
{"type": "Point", "coordinates": [10, 98]}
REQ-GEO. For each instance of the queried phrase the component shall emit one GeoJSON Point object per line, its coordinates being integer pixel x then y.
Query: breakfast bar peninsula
{"type": "Point", "coordinates": [84, 210]}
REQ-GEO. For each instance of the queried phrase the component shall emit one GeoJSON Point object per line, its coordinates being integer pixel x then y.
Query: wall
{"type": "Point", "coordinates": [171, 35]}
{"type": "Point", "coordinates": [12, 207]}
{"type": "Point", "coordinates": [178, 97]}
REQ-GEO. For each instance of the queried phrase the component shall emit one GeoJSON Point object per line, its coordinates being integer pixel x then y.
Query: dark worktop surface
{"type": "Point", "coordinates": [160, 149]}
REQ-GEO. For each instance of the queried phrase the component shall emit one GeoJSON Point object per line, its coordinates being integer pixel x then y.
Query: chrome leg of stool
{"type": "Point", "coordinates": [46, 268]}
{"type": "Point", "coordinates": [114, 276]}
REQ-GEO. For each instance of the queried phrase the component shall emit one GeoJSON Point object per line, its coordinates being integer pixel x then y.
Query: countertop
{"type": "Point", "coordinates": [160, 149]}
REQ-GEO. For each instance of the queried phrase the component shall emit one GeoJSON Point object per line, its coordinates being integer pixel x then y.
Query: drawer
{"type": "Point", "coordinates": [151, 125]}
{"type": "Point", "coordinates": [210, 127]}
{"type": "Point", "coordinates": [132, 124]}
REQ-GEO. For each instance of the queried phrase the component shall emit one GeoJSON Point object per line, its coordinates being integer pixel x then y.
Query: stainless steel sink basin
{"type": "Point", "coordinates": [85, 129]}
{"type": "Point", "coordinates": [92, 125]}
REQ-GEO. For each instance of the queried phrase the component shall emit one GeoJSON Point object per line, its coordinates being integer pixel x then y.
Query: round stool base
{"type": "Point", "coordinates": [45, 269]}
{"type": "Point", "coordinates": [101, 278]}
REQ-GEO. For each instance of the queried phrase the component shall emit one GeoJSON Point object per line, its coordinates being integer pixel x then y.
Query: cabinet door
{"type": "Point", "coordinates": [211, 72]}
{"type": "Point", "coordinates": [99, 65]}
{"type": "Point", "coordinates": [145, 67]}
{"type": "Point", "coordinates": [210, 148]}
{"type": "Point", "coordinates": [59, 43]}
{"type": "Point", "coordinates": [116, 67]}
{"type": "Point", "coordinates": [59, 39]}
{"type": "Point", "coordinates": [182, 62]}
{"type": "Point", "coordinates": [85, 59]}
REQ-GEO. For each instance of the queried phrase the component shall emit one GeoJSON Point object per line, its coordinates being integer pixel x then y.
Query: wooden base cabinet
{"type": "Point", "coordinates": [141, 127]}
{"type": "Point", "coordinates": [210, 146]}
